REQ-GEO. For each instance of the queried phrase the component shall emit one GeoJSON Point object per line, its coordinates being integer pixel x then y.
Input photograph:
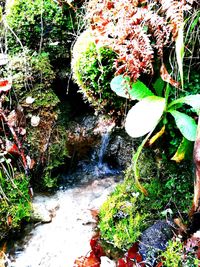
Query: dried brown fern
{"type": "Point", "coordinates": [136, 30]}
{"type": "Point", "coordinates": [174, 13]}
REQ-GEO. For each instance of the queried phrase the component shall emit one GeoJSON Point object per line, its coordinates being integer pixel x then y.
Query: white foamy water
{"type": "Point", "coordinates": [59, 243]}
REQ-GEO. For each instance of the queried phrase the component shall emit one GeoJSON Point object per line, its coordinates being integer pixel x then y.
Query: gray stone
{"type": "Point", "coordinates": [154, 239]}
{"type": "Point", "coordinates": [43, 211]}
{"type": "Point", "coordinates": [120, 148]}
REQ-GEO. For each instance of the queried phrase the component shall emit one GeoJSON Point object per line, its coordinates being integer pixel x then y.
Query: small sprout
{"type": "Point", "coordinates": [167, 212]}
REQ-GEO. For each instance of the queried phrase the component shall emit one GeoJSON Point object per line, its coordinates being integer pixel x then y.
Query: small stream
{"type": "Point", "coordinates": [67, 236]}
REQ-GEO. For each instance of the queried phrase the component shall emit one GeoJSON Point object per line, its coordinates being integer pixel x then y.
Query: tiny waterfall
{"type": "Point", "coordinates": [102, 168]}
{"type": "Point", "coordinates": [97, 166]}
{"type": "Point", "coordinates": [104, 144]}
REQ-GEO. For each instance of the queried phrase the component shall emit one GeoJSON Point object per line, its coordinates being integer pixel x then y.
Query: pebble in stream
{"type": "Point", "coordinates": [60, 242]}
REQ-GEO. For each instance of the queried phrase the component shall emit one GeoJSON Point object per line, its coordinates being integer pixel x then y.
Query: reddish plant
{"type": "Point", "coordinates": [136, 30]}
{"type": "Point", "coordinates": [131, 258]}
{"type": "Point", "coordinates": [94, 257]}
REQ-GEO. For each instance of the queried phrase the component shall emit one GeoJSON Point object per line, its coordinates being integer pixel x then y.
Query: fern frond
{"type": "Point", "coordinates": [159, 29]}
{"type": "Point", "coordinates": [174, 12]}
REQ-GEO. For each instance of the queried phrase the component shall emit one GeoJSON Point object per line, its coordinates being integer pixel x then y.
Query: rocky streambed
{"type": "Point", "coordinates": [71, 225]}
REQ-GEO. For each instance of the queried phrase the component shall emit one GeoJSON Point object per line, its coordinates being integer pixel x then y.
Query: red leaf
{"type": "Point", "coordinates": [90, 261]}
{"type": "Point", "coordinates": [110, 5]}
{"type": "Point", "coordinates": [138, 257]}
{"type": "Point", "coordinates": [12, 148]}
{"type": "Point", "coordinates": [93, 241]}
{"type": "Point", "coordinates": [130, 263]}
{"type": "Point", "coordinates": [5, 85]}
{"type": "Point", "coordinates": [80, 261]}
{"type": "Point", "coordinates": [167, 78]}
{"type": "Point", "coordinates": [160, 264]}
{"type": "Point", "coordinates": [96, 247]}
{"type": "Point", "coordinates": [121, 263]}
{"type": "Point", "coordinates": [133, 250]}
{"type": "Point", "coordinates": [3, 82]}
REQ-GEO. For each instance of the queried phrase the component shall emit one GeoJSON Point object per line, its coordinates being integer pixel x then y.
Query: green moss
{"type": "Point", "coordinates": [93, 71]}
{"type": "Point", "coordinates": [120, 219]}
{"type": "Point", "coordinates": [43, 23]}
{"type": "Point", "coordinates": [14, 199]}
{"type": "Point", "coordinates": [57, 147]}
{"type": "Point", "coordinates": [127, 212]}
{"type": "Point", "coordinates": [32, 73]}
{"type": "Point", "coordinates": [177, 256]}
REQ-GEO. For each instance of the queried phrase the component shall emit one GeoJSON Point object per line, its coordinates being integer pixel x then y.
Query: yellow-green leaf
{"type": "Point", "coordinates": [183, 150]}
{"type": "Point", "coordinates": [157, 135]}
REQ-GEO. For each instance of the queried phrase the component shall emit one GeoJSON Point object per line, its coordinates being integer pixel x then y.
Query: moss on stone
{"type": "Point", "coordinates": [93, 71]}
{"type": "Point", "coordinates": [127, 212]}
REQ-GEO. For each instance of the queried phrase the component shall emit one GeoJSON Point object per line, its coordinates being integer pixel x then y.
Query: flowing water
{"type": "Point", "coordinates": [67, 236]}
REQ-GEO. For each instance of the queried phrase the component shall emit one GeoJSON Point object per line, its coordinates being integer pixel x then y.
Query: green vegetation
{"type": "Point", "coordinates": [39, 36]}
{"type": "Point", "coordinates": [177, 256]}
{"type": "Point", "coordinates": [35, 40]}
{"type": "Point", "coordinates": [41, 26]}
{"type": "Point", "coordinates": [127, 212]}
{"type": "Point", "coordinates": [115, 51]}
{"type": "Point", "coordinates": [14, 197]}
{"type": "Point", "coordinates": [93, 70]}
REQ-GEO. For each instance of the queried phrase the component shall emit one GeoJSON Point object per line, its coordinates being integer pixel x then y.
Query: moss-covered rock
{"type": "Point", "coordinates": [93, 71]}
{"type": "Point", "coordinates": [127, 212]}
{"type": "Point", "coordinates": [33, 76]}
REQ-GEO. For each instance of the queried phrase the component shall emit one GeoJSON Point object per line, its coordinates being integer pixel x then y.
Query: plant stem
{"type": "Point", "coordinates": [196, 158]}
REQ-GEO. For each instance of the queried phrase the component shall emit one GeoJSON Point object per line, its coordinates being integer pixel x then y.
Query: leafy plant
{"type": "Point", "coordinates": [139, 31]}
{"type": "Point", "coordinates": [145, 115]}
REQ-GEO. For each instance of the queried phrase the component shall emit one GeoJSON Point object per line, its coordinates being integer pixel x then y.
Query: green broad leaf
{"type": "Point", "coordinates": [159, 86]}
{"type": "Point", "coordinates": [144, 116]}
{"type": "Point", "coordinates": [179, 45]}
{"type": "Point", "coordinates": [191, 100]}
{"type": "Point", "coordinates": [139, 91]}
{"type": "Point", "coordinates": [186, 125]}
{"type": "Point", "coordinates": [136, 91]}
{"type": "Point", "coordinates": [120, 85]}
{"type": "Point", "coordinates": [184, 151]}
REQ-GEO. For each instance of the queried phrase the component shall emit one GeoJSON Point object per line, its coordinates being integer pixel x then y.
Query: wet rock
{"type": "Point", "coordinates": [154, 239]}
{"type": "Point", "coordinates": [85, 136]}
{"type": "Point", "coordinates": [119, 149]}
{"type": "Point", "coordinates": [43, 209]}
{"type": "Point", "coordinates": [82, 139]}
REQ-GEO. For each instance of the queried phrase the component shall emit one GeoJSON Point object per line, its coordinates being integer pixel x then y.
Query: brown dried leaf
{"type": "Point", "coordinates": [167, 78]}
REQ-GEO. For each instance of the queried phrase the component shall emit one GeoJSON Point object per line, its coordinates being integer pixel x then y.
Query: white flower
{"type": "Point", "coordinates": [135, 194]}
{"type": "Point", "coordinates": [35, 120]}
{"type": "Point", "coordinates": [30, 100]}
